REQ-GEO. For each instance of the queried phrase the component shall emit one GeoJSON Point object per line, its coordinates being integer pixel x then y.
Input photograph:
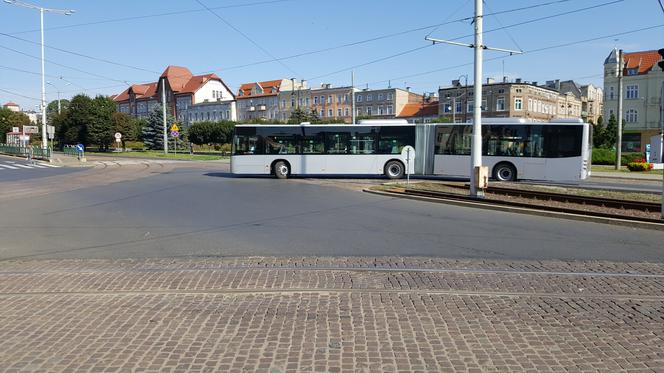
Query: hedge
{"type": "Point", "coordinates": [608, 156]}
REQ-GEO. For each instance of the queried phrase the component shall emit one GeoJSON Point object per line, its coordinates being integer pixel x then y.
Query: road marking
{"type": "Point", "coordinates": [22, 165]}
{"type": "Point", "coordinates": [37, 165]}
{"type": "Point", "coordinates": [8, 166]}
{"type": "Point", "coordinates": [49, 165]}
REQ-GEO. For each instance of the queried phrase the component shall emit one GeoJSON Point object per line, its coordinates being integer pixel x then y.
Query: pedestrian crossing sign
{"type": "Point", "coordinates": [175, 127]}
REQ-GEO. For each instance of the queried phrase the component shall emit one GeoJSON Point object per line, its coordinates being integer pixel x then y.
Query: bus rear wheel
{"type": "Point", "coordinates": [504, 171]}
{"type": "Point", "coordinates": [281, 170]}
{"type": "Point", "coordinates": [394, 170]}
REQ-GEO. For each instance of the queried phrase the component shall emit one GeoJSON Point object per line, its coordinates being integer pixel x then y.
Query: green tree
{"type": "Point", "coordinates": [9, 119]}
{"type": "Point", "coordinates": [153, 131]}
{"type": "Point", "coordinates": [127, 126]}
{"type": "Point", "coordinates": [72, 128]}
{"type": "Point", "coordinates": [52, 107]}
{"type": "Point", "coordinates": [101, 127]}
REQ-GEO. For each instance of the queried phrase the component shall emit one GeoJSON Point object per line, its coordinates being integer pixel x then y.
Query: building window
{"type": "Point", "coordinates": [632, 92]}
{"type": "Point", "coordinates": [346, 112]}
{"type": "Point", "coordinates": [369, 97]}
{"type": "Point", "coordinates": [380, 110]}
{"type": "Point", "coordinates": [501, 90]}
{"type": "Point", "coordinates": [611, 93]}
{"type": "Point", "coordinates": [632, 71]}
{"type": "Point", "coordinates": [389, 97]}
{"type": "Point", "coordinates": [345, 99]}
{"type": "Point", "coordinates": [322, 113]}
{"type": "Point", "coordinates": [458, 106]}
{"type": "Point", "coordinates": [389, 110]}
{"type": "Point", "coordinates": [315, 100]}
{"type": "Point", "coordinates": [447, 107]}
{"type": "Point", "coordinates": [471, 106]}
{"type": "Point", "coordinates": [338, 99]}
{"type": "Point", "coordinates": [380, 97]}
{"type": "Point", "coordinates": [306, 101]}
{"type": "Point", "coordinates": [500, 104]}
{"type": "Point", "coordinates": [339, 112]}
{"type": "Point", "coordinates": [359, 112]}
{"type": "Point", "coordinates": [329, 112]}
{"type": "Point", "coordinates": [329, 99]}
{"type": "Point", "coordinates": [369, 110]}
{"type": "Point", "coordinates": [530, 104]}
{"type": "Point", "coordinates": [631, 116]}
{"type": "Point", "coordinates": [518, 103]}
{"type": "Point", "coordinates": [322, 100]}
{"type": "Point", "coordinates": [359, 98]}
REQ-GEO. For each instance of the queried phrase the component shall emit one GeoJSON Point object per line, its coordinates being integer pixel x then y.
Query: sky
{"type": "Point", "coordinates": [107, 45]}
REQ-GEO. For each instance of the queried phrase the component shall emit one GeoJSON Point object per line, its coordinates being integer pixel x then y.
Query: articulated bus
{"type": "Point", "coordinates": [512, 149]}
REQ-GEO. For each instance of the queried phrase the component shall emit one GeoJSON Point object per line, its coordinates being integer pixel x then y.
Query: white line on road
{"type": "Point", "coordinates": [22, 165]}
{"type": "Point", "coordinates": [9, 167]}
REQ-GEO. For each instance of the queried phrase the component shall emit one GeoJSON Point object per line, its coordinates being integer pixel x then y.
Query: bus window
{"type": "Point", "coordinates": [454, 140]}
{"type": "Point", "coordinates": [280, 140]}
{"type": "Point", "coordinates": [563, 141]}
{"type": "Point", "coordinates": [363, 141]}
{"type": "Point", "coordinates": [337, 142]}
{"type": "Point", "coordinates": [313, 142]}
{"type": "Point", "coordinates": [246, 141]}
{"type": "Point", "coordinates": [391, 139]}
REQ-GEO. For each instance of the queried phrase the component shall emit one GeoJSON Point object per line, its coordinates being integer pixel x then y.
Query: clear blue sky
{"type": "Point", "coordinates": [203, 42]}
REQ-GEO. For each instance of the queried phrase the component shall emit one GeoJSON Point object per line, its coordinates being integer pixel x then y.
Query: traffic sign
{"type": "Point", "coordinates": [175, 128]}
{"type": "Point", "coordinates": [30, 129]}
{"type": "Point", "coordinates": [175, 134]}
{"type": "Point", "coordinates": [80, 148]}
{"type": "Point", "coordinates": [118, 135]}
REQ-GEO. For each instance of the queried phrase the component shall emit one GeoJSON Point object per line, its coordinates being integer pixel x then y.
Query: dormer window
{"type": "Point", "coordinates": [632, 71]}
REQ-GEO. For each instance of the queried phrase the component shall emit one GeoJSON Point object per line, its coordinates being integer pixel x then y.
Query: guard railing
{"type": "Point", "coordinates": [26, 151]}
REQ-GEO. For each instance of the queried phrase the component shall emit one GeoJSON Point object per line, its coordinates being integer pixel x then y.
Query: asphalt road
{"type": "Point", "coordinates": [198, 213]}
{"type": "Point", "coordinates": [17, 168]}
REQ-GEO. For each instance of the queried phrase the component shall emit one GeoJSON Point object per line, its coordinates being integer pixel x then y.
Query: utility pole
{"type": "Point", "coordinates": [479, 47]}
{"type": "Point", "coordinates": [66, 12]}
{"type": "Point", "coordinates": [661, 120]}
{"type": "Point", "coordinates": [453, 109]}
{"type": "Point", "coordinates": [163, 108]}
{"type": "Point", "coordinates": [620, 110]}
{"type": "Point", "coordinates": [352, 95]}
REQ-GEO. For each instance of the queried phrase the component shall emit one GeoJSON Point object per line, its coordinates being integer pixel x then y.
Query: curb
{"type": "Point", "coordinates": [627, 178]}
{"type": "Point", "coordinates": [527, 211]}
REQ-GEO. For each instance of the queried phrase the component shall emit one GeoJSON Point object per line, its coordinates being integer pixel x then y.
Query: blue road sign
{"type": "Point", "coordinates": [80, 148]}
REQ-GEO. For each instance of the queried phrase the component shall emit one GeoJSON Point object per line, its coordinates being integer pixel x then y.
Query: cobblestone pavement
{"type": "Point", "coordinates": [330, 315]}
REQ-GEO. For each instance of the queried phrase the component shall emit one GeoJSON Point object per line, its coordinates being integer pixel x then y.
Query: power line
{"type": "Point", "coordinates": [524, 53]}
{"type": "Point", "coordinates": [450, 16]}
{"type": "Point", "coordinates": [543, 18]}
{"type": "Point", "coordinates": [80, 54]}
{"type": "Point", "coordinates": [20, 95]}
{"type": "Point", "coordinates": [373, 61]}
{"type": "Point", "coordinates": [252, 41]}
{"type": "Point", "coordinates": [113, 20]}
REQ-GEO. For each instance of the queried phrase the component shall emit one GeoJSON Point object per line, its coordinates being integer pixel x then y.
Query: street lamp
{"type": "Point", "coordinates": [58, 91]}
{"type": "Point", "coordinates": [66, 12]}
{"type": "Point", "coordinates": [465, 93]}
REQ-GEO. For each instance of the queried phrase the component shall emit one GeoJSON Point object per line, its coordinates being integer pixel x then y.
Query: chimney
{"type": "Point", "coordinates": [408, 89]}
{"type": "Point", "coordinates": [517, 80]}
{"type": "Point", "coordinates": [490, 80]}
{"type": "Point", "coordinates": [535, 83]}
{"type": "Point", "coordinates": [504, 79]}
{"type": "Point", "coordinates": [456, 83]}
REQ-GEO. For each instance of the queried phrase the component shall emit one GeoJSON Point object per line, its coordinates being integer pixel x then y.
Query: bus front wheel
{"type": "Point", "coordinates": [281, 170]}
{"type": "Point", "coordinates": [394, 170]}
{"type": "Point", "coordinates": [504, 171]}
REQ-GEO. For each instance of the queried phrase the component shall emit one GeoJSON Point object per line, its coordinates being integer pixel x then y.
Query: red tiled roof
{"type": "Point", "coordinates": [267, 86]}
{"type": "Point", "coordinates": [419, 110]}
{"type": "Point", "coordinates": [10, 104]}
{"type": "Point", "coordinates": [644, 61]}
{"type": "Point", "coordinates": [180, 79]}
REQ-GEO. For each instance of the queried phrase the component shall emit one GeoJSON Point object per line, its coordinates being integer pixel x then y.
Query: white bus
{"type": "Point", "coordinates": [512, 149]}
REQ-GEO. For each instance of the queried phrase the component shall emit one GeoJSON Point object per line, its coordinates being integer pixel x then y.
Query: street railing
{"type": "Point", "coordinates": [70, 150]}
{"type": "Point", "coordinates": [26, 151]}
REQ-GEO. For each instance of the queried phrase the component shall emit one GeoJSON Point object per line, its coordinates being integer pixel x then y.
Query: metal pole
{"type": "Point", "coordinates": [352, 95]}
{"type": "Point", "coordinates": [620, 110]}
{"type": "Point", "coordinates": [454, 109]}
{"type": "Point", "coordinates": [43, 82]}
{"type": "Point", "coordinates": [59, 109]}
{"type": "Point", "coordinates": [163, 107]}
{"type": "Point", "coordinates": [476, 149]}
{"type": "Point", "coordinates": [661, 152]}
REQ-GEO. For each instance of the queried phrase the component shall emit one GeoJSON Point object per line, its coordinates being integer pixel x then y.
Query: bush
{"type": "Point", "coordinates": [604, 156]}
{"type": "Point", "coordinates": [226, 148]}
{"type": "Point", "coordinates": [639, 166]}
{"type": "Point", "coordinates": [631, 157]}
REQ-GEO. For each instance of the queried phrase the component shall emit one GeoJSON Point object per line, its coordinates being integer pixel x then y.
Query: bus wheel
{"type": "Point", "coordinates": [504, 171]}
{"type": "Point", "coordinates": [394, 170]}
{"type": "Point", "coordinates": [281, 170]}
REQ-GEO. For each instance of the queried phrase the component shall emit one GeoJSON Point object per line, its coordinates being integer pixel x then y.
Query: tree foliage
{"type": "Point", "coordinates": [153, 131]}
{"type": "Point", "coordinates": [211, 132]}
{"type": "Point", "coordinates": [9, 119]}
{"type": "Point", "coordinates": [606, 136]}
{"type": "Point", "coordinates": [128, 126]}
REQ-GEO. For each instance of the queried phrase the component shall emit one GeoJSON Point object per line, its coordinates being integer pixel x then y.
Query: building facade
{"type": "Point", "coordinates": [183, 91]}
{"type": "Point", "coordinates": [384, 103]}
{"type": "Point", "coordinates": [508, 99]}
{"type": "Point", "coordinates": [333, 103]}
{"type": "Point", "coordinates": [642, 95]}
{"type": "Point", "coordinates": [260, 100]}
{"type": "Point", "coordinates": [425, 112]}
{"type": "Point", "coordinates": [591, 98]}
{"type": "Point", "coordinates": [212, 111]}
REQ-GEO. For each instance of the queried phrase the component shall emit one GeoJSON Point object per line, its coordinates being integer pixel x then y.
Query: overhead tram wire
{"type": "Point", "coordinates": [252, 41]}
{"type": "Point", "coordinates": [322, 50]}
{"type": "Point", "coordinates": [563, 45]}
{"type": "Point", "coordinates": [113, 20]}
{"type": "Point", "coordinates": [80, 54]}
{"type": "Point", "coordinates": [533, 20]}
{"type": "Point", "coordinates": [450, 16]}
{"type": "Point", "coordinates": [20, 95]}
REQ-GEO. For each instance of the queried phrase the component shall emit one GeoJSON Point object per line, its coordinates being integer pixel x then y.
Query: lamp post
{"type": "Point", "coordinates": [58, 91]}
{"type": "Point", "coordinates": [66, 12]}
{"type": "Point", "coordinates": [465, 93]}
